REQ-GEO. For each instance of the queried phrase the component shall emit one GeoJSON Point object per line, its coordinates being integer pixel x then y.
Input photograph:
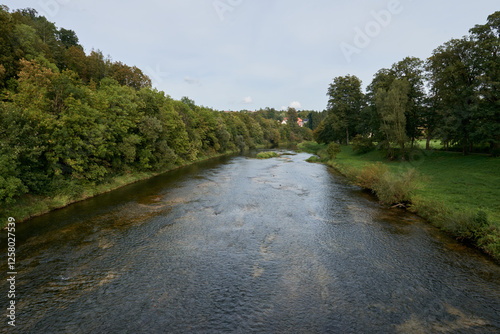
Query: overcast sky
{"type": "Point", "coordinates": [251, 54]}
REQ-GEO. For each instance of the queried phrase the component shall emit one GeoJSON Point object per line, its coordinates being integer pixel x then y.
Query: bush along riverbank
{"type": "Point", "coordinates": [458, 194]}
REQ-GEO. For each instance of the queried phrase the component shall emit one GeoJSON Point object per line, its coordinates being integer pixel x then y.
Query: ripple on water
{"type": "Point", "coordinates": [251, 246]}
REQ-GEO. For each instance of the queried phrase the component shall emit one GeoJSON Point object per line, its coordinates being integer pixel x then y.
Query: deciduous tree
{"type": "Point", "coordinates": [391, 106]}
{"type": "Point", "coordinates": [345, 102]}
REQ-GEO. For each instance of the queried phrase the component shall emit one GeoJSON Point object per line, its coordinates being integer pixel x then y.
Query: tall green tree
{"type": "Point", "coordinates": [370, 121]}
{"type": "Point", "coordinates": [411, 69]}
{"type": "Point", "coordinates": [454, 78]}
{"type": "Point", "coordinates": [391, 106]}
{"type": "Point", "coordinates": [345, 101]}
{"type": "Point", "coordinates": [486, 39]}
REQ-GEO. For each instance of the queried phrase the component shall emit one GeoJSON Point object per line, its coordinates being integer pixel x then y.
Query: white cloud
{"type": "Point", "coordinates": [247, 100]}
{"type": "Point", "coordinates": [295, 105]}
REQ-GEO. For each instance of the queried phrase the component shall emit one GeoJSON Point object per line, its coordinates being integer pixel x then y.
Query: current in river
{"type": "Point", "coordinates": [241, 245]}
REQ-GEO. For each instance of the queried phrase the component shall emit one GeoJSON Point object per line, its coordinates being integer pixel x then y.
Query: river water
{"type": "Point", "coordinates": [241, 245]}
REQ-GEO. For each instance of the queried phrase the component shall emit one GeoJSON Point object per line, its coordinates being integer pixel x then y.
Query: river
{"type": "Point", "coordinates": [241, 245]}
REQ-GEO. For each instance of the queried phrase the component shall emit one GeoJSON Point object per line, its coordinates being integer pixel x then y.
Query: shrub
{"type": "Point", "coordinates": [313, 159]}
{"type": "Point", "coordinates": [370, 175]}
{"type": "Point", "coordinates": [333, 149]}
{"type": "Point", "coordinates": [390, 188]}
{"type": "Point", "coordinates": [490, 240]}
{"type": "Point", "coordinates": [10, 188]}
{"type": "Point", "coordinates": [495, 152]}
{"type": "Point", "coordinates": [362, 144]}
{"type": "Point", "coordinates": [311, 147]}
{"type": "Point", "coordinates": [396, 188]}
{"type": "Point", "coordinates": [323, 155]}
{"type": "Point", "coordinates": [467, 225]}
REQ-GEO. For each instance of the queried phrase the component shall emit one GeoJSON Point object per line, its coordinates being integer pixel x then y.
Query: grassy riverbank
{"type": "Point", "coordinates": [29, 206]}
{"type": "Point", "coordinates": [460, 194]}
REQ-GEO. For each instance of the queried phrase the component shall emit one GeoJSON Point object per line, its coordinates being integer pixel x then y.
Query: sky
{"type": "Point", "coordinates": [252, 54]}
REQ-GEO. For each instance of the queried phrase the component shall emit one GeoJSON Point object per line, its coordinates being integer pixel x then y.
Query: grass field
{"type": "Point", "coordinates": [450, 185]}
{"type": "Point", "coordinates": [459, 182]}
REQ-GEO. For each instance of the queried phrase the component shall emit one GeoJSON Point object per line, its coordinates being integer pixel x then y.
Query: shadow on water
{"type": "Point", "coordinates": [238, 244]}
{"type": "Point", "coordinates": [117, 201]}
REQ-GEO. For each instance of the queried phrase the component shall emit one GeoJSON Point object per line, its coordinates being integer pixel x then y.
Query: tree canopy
{"type": "Point", "coordinates": [452, 96]}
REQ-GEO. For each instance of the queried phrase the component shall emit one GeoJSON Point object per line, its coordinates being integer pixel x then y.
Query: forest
{"type": "Point", "coordinates": [70, 119]}
{"type": "Point", "coordinates": [453, 96]}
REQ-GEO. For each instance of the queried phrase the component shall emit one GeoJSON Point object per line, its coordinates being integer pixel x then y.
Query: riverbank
{"type": "Point", "coordinates": [30, 206]}
{"type": "Point", "coordinates": [456, 193]}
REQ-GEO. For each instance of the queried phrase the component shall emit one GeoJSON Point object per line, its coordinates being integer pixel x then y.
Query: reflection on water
{"type": "Point", "coordinates": [245, 245]}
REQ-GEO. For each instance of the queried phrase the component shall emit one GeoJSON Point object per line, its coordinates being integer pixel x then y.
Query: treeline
{"type": "Point", "coordinates": [68, 119]}
{"type": "Point", "coordinates": [453, 96]}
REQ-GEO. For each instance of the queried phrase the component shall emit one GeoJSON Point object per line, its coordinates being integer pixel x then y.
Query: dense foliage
{"type": "Point", "coordinates": [68, 119]}
{"type": "Point", "coordinates": [461, 106]}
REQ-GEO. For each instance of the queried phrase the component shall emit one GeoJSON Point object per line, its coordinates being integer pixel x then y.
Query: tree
{"type": "Point", "coordinates": [291, 125]}
{"type": "Point", "coordinates": [345, 102]}
{"type": "Point", "coordinates": [411, 69]}
{"type": "Point", "coordinates": [97, 66]}
{"type": "Point", "coordinates": [7, 53]}
{"type": "Point", "coordinates": [486, 39]}
{"type": "Point", "coordinates": [391, 105]}
{"type": "Point", "coordinates": [11, 183]}
{"type": "Point", "coordinates": [328, 130]}
{"type": "Point", "coordinates": [431, 119]}
{"type": "Point", "coordinates": [454, 78]}
{"type": "Point", "coordinates": [315, 119]}
{"type": "Point", "coordinates": [76, 60]}
{"type": "Point", "coordinates": [370, 120]}
{"type": "Point", "coordinates": [129, 76]}
{"type": "Point", "coordinates": [27, 42]}
{"type": "Point", "coordinates": [67, 37]}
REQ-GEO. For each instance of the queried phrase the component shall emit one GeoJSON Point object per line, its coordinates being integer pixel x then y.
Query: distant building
{"type": "Point", "coordinates": [300, 122]}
